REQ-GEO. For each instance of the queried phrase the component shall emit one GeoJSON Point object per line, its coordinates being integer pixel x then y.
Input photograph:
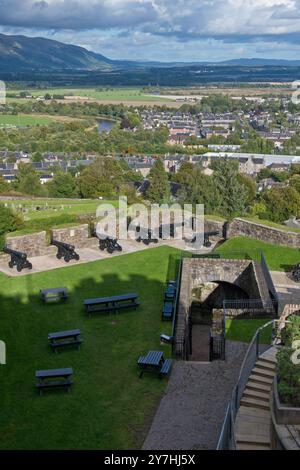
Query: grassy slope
{"type": "Point", "coordinates": [279, 258]}
{"type": "Point", "coordinates": [126, 94]}
{"type": "Point", "coordinates": [109, 404]}
{"type": "Point", "coordinates": [23, 120]}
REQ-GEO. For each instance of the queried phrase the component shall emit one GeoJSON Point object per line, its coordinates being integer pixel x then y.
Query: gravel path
{"type": "Point", "coordinates": [191, 413]}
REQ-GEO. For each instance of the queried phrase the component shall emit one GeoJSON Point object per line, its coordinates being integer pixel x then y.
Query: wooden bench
{"type": "Point", "coordinates": [166, 339]}
{"type": "Point", "coordinates": [64, 339]}
{"type": "Point", "coordinates": [111, 304]}
{"type": "Point", "coordinates": [18, 259]}
{"type": "Point", "coordinates": [53, 295]}
{"type": "Point", "coordinates": [168, 310]}
{"type": "Point", "coordinates": [166, 368]}
{"type": "Point", "coordinates": [54, 378]}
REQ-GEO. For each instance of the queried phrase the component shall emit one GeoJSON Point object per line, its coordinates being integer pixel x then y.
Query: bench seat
{"type": "Point", "coordinates": [66, 383]}
{"type": "Point", "coordinates": [166, 368]}
{"type": "Point", "coordinates": [65, 343]}
{"type": "Point", "coordinates": [110, 308]}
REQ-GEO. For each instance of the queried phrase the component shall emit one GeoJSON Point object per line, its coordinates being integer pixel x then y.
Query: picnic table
{"type": "Point", "coordinates": [63, 339]}
{"type": "Point", "coordinates": [54, 378]}
{"type": "Point", "coordinates": [52, 295]}
{"type": "Point", "coordinates": [111, 304]}
{"type": "Point", "coordinates": [154, 362]}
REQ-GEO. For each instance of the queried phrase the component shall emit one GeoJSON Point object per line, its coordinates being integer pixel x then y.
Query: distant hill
{"type": "Point", "coordinates": [24, 54]}
{"type": "Point", "coordinates": [19, 53]}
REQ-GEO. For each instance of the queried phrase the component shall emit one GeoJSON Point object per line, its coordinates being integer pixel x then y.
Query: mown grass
{"type": "Point", "coordinates": [23, 120]}
{"type": "Point", "coordinates": [244, 330]}
{"type": "Point", "coordinates": [279, 258]}
{"type": "Point", "coordinates": [109, 406]}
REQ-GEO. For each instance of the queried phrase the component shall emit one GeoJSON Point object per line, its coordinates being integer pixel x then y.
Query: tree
{"type": "Point", "coordinates": [159, 188]}
{"type": "Point", "coordinates": [232, 195]}
{"type": "Point", "coordinates": [101, 178]}
{"type": "Point", "coordinates": [28, 181]}
{"type": "Point", "coordinates": [295, 182]}
{"type": "Point", "coordinates": [281, 203]}
{"type": "Point", "coordinates": [9, 222]}
{"type": "Point", "coordinates": [63, 185]}
{"type": "Point", "coordinates": [4, 186]}
{"type": "Point", "coordinates": [250, 187]}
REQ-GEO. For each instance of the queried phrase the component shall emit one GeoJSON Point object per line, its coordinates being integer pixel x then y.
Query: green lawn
{"type": "Point", "coordinates": [109, 407]}
{"type": "Point", "coordinates": [279, 258]}
{"type": "Point", "coordinates": [101, 93]}
{"type": "Point", "coordinates": [7, 120]}
{"type": "Point", "coordinates": [244, 330]}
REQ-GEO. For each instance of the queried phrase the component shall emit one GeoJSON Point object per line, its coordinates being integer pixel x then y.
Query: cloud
{"type": "Point", "coordinates": [159, 24]}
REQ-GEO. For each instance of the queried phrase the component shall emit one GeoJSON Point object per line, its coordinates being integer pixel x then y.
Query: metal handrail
{"type": "Point", "coordinates": [234, 403]}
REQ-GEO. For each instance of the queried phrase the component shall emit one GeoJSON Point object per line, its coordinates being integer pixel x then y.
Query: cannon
{"type": "Point", "coordinates": [18, 259]}
{"type": "Point", "coordinates": [146, 236]}
{"type": "Point", "coordinates": [66, 251]}
{"type": "Point", "coordinates": [296, 273]}
{"type": "Point", "coordinates": [110, 244]}
{"type": "Point", "coordinates": [207, 243]}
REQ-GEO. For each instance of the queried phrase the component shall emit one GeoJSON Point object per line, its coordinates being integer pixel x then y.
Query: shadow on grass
{"type": "Point", "coordinates": [108, 405]}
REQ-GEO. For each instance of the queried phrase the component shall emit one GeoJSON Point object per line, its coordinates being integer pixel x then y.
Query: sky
{"type": "Point", "coordinates": [164, 30]}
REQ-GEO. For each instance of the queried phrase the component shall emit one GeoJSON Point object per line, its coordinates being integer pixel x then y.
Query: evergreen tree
{"type": "Point", "coordinates": [159, 188]}
{"type": "Point", "coordinates": [232, 195]}
{"type": "Point", "coordinates": [62, 185]}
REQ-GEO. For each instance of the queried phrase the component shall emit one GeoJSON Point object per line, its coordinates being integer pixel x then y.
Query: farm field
{"type": "Point", "coordinates": [102, 94]}
{"type": "Point", "coordinates": [109, 406]}
{"type": "Point", "coordinates": [7, 120]}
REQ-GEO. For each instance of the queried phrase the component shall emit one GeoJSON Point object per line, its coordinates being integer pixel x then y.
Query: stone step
{"type": "Point", "coordinates": [252, 446]}
{"type": "Point", "coordinates": [263, 364]}
{"type": "Point", "coordinates": [259, 386]}
{"type": "Point", "coordinates": [261, 395]}
{"type": "Point", "coordinates": [255, 403]}
{"type": "Point", "coordinates": [269, 356]}
{"type": "Point", "coordinates": [261, 379]}
{"type": "Point", "coordinates": [263, 372]}
{"type": "Point", "coordinates": [253, 438]}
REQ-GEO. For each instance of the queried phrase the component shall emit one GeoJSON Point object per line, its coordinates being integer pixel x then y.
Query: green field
{"type": "Point", "coordinates": [279, 258]}
{"type": "Point", "coordinates": [7, 120]}
{"type": "Point", "coordinates": [109, 407]}
{"type": "Point", "coordinates": [102, 93]}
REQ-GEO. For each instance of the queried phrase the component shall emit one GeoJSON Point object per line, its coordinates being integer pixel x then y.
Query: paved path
{"type": "Point", "coordinates": [191, 412]}
{"type": "Point", "coordinates": [288, 289]}
{"type": "Point", "coordinates": [87, 255]}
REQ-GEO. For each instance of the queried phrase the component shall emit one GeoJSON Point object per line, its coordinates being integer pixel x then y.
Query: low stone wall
{"type": "Point", "coordinates": [284, 435]}
{"type": "Point", "coordinates": [35, 244]}
{"type": "Point", "coordinates": [284, 414]}
{"type": "Point", "coordinates": [77, 235]}
{"type": "Point", "coordinates": [215, 226]}
{"type": "Point", "coordinates": [240, 227]}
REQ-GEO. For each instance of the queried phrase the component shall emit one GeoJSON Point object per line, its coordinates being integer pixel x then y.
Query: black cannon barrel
{"type": "Point", "coordinates": [67, 246]}
{"type": "Point", "coordinates": [16, 253]}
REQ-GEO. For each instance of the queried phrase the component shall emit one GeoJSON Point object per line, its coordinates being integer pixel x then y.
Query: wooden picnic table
{"type": "Point", "coordinates": [54, 378]}
{"type": "Point", "coordinates": [64, 339]}
{"type": "Point", "coordinates": [108, 304]}
{"type": "Point", "coordinates": [57, 293]}
{"type": "Point", "coordinates": [154, 362]}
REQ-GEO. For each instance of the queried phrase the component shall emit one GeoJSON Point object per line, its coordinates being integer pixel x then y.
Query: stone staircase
{"type": "Point", "coordinates": [252, 425]}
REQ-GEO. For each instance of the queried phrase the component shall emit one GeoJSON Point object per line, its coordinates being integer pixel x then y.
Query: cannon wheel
{"type": "Point", "coordinates": [29, 266]}
{"type": "Point", "coordinates": [59, 256]}
{"type": "Point", "coordinates": [119, 248]}
{"type": "Point", "coordinates": [77, 257]}
{"type": "Point", "coordinates": [110, 250]}
{"type": "Point", "coordinates": [19, 268]}
{"type": "Point", "coordinates": [11, 264]}
{"type": "Point", "coordinates": [102, 246]}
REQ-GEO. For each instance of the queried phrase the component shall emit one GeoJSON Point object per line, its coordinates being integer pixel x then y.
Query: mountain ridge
{"type": "Point", "coordinates": [23, 53]}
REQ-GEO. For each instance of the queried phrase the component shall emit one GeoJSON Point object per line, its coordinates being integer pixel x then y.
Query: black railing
{"type": "Point", "coordinates": [249, 308]}
{"type": "Point", "coordinates": [227, 439]}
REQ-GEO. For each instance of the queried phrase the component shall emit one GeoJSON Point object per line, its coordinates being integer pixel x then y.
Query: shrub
{"type": "Point", "coordinates": [288, 371]}
{"type": "Point", "coordinates": [9, 222]}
